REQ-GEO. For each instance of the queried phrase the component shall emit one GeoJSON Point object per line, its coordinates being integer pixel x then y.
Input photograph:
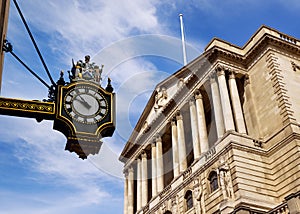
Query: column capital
{"type": "Point", "coordinates": [157, 138]}
{"type": "Point", "coordinates": [153, 143]}
{"type": "Point", "coordinates": [232, 74]}
{"type": "Point", "coordinates": [125, 172]}
{"type": "Point", "coordinates": [192, 101]}
{"type": "Point", "coordinates": [178, 115]}
{"type": "Point", "coordinates": [246, 80]}
{"type": "Point", "coordinates": [212, 76]}
{"type": "Point", "coordinates": [144, 154]}
{"type": "Point", "coordinates": [220, 71]}
{"type": "Point", "coordinates": [173, 122]}
{"type": "Point", "coordinates": [198, 94]}
{"type": "Point", "coordinates": [130, 169]}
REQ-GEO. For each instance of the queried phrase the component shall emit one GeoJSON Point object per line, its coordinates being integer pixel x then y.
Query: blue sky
{"type": "Point", "coordinates": [139, 44]}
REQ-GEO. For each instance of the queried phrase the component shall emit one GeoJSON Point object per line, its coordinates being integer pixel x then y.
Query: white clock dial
{"type": "Point", "coordinates": [85, 105]}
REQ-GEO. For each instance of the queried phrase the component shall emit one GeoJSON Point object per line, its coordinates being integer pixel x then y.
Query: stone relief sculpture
{"type": "Point", "coordinates": [160, 98]}
{"type": "Point", "coordinates": [174, 202]}
{"type": "Point", "coordinates": [225, 179]}
{"type": "Point", "coordinates": [199, 199]}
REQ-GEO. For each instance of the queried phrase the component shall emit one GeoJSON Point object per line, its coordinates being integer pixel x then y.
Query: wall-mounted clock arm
{"type": "Point", "coordinates": [27, 108]}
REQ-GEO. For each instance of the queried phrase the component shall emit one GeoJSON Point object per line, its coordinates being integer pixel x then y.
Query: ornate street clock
{"type": "Point", "coordinates": [81, 109]}
{"type": "Point", "coordinates": [85, 113]}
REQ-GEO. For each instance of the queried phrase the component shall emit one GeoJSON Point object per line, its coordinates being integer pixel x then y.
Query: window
{"type": "Point", "coordinates": [188, 199]}
{"type": "Point", "coordinates": [213, 179]}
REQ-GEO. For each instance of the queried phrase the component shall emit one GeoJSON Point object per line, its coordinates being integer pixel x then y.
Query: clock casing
{"type": "Point", "coordinates": [85, 114]}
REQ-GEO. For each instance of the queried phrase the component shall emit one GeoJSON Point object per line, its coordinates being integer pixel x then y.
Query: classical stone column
{"type": "Point", "coordinates": [130, 190]}
{"type": "Point", "coordinates": [217, 106]}
{"type": "Point", "coordinates": [225, 101]}
{"type": "Point", "coordinates": [236, 105]}
{"type": "Point", "coordinates": [159, 165]}
{"type": "Point", "coordinates": [175, 148]}
{"type": "Point", "coordinates": [195, 128]}
{"type": "Point", "coordinates": [181, 143]}
{"type": "Point", "coordinates": [153, 169]}
{"type": "Point", "coordinates": [139, 185]}
{"type": "Point", "coordinates": [126, 193]}
{"type": "Point", "coordinates": [201, 122]}
{"type": "Point", "coordinates": [144, 179]}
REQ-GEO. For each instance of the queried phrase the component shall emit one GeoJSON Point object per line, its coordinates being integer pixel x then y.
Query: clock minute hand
{"type": "Point", "coordinates": [85, 103]}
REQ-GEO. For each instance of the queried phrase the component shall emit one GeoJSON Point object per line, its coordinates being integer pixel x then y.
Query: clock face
{"type": "Point", "coordinates": [85, 105]}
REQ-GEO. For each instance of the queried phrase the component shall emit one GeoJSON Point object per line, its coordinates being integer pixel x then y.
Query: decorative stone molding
{"type": "Point", "coordinates": [187, 173]}
{"type": "Point", "coordinates": [210, 153]}
{"type": "Point", "coordinates": [279, 89]}
{"type": "Point", "coordinates": [165, 191]}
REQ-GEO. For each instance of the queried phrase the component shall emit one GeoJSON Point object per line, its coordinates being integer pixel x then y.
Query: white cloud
{"type": "Point", "coordinates": [79, 27]}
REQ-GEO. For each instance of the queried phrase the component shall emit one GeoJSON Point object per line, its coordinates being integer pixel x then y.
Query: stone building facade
{"type": "Point", "coordinates": [221, 135]}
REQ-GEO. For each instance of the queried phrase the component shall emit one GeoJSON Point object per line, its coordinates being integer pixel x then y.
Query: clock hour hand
{"type": "Point", "coordinates": [83, 102]}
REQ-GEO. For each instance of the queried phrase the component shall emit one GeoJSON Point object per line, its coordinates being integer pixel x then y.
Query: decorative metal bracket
{"type": "Point", "coordinates": [27, 108]}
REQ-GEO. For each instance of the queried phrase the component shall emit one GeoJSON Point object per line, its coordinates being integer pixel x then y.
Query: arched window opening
{"type": "Point", "coordinates": [213, 179]}
{"type": "Point", "coordinates": [188, 199]}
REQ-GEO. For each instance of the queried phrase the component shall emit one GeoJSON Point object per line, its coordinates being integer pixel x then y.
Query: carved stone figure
{"type": "Point", "coordinates": [198, 193]}
{"type": "Point", "coordinates": [225, 179]}
{"type": "Point", "coordinates": [160, 98]}
{"type": "Point", "coordinates": [175, 202]}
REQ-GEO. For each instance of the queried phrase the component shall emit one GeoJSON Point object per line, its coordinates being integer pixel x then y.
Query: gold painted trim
{"type": "Point", "coordinates": [27, 106]}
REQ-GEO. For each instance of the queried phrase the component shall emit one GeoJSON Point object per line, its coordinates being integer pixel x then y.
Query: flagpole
{"type": "Point", "coordinates": [183, 40]}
